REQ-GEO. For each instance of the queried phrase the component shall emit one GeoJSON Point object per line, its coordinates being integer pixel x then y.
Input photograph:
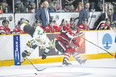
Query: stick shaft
{"type": "Point", "coordinates": [31, 63]}
{"type": "Point", "coordinates": [98, 46]}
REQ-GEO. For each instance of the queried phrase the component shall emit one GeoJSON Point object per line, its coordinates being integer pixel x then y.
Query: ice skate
{"type": "Point", "coordinates": [82, 61]}
{"type": "Point", "coordinates": [24, 55]}
{"type": "Point", "coordinates": [22, 60]}
{"type": "Point", "coordinates": [65, 63]}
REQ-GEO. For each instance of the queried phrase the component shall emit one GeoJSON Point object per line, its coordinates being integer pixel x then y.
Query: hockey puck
{"type": "Point", "coordinates": [35, 73]}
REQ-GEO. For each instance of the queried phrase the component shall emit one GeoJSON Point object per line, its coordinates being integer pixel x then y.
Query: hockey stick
{"type": "Point", "coordinates": [80, 34]}
{"type": "Point", "coordinates": [97, 46]}
{"type": "Point", "coordinates": [34, 65]}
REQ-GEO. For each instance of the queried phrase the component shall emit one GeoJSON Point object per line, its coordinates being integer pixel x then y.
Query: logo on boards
{"type": "Point", "coordinates": [107, 41]}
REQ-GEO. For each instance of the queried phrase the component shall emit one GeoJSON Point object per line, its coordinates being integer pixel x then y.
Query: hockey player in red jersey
{"type": "Point", "coordinates": [5, 29]}
{"type": "Point", "coordinates": [105, 26]}
{"type": "Point", "coordinates": [63, 44]}
{"type": "Point", "coordinates": [49, 28]}
{"type": "Point", "coordinates": [17, 29]}
{"type": "Point", "coordinates": [52, 28]}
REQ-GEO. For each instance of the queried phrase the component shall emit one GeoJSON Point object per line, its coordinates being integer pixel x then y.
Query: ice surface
{"type": "Point", "coordinates": [92, 68]}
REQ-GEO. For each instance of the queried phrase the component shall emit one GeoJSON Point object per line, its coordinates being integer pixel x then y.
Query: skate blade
{"type": "Point", "coordinates": [63, 65]}
{"type": "Point", "coordinates": [83, 62]}
{"type": "Point", "coordinates": [21, 61]}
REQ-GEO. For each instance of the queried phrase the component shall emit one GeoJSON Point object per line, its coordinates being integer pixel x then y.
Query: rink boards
{"type": "Point", "coordinates": [11, 46]}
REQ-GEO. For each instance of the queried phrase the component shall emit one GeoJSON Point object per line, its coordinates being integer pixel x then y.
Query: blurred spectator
{"type": "Point", "coordinates": [5, 7]}
{"type": "Point", "coordinates": [113, 3]}
{"type": "Point", "coordinates": [68, 6]}
{"type": "Point", "coordinates": [105, 7]}
{"type": "Point", "coordinates": [54, 5]}
{"type": "Point", "coordinates": [113, 23]}
{"type": "Point", "coordinates": [1, 10]}
{"type": "Point", "coordinates": [76, 3]}
{"type": "Point", "coordinates": [17, 29]}
{"type": "Point", "coordinates": [84, 14]}
{"type": "Point", "coordinates": [79, 7]}
{"type": "Point", "coordinates": [92, 6]}
{"type": "Point", "coordinates": [43, 14]}
{"type": "Point", "coordinates": [31, 1]}
{"type": "Point", "coordinates": [63, 4]}
{"type": "Point", "coordinates": [5, 28]}
{"type": "Point", "coordinates": [98, 5]}
{"type": "Point", "coordinates": [108, 14]}
{"type": "Point", "coordinates": [19, 7]}
{"type": "Point", "coordinates": [33, 8]}
{"type": "Point", "coordinates": [27, 6]}
{"type": "Point", "coordinates": [39, 5]}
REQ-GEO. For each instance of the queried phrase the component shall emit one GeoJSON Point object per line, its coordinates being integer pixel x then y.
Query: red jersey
{"type": "Point", "coordinates": [104, 26]}
{"type": "Point", "coordinates": [65, 35]}
{"type": "Point", "coordinates": [18, 31]}
{"type": "Point", "coordinates": [52, 29]}
{"type": "Point", "coordinates": [49, 29]}
{"type": "Point", "coordinates": [56, 28]}
{"type": "Point", "coordinates": [82, 27]}
{"type": "Point", "coordinates": [76, 40]}
{"type": "Point", "coordinates": [4, 30]}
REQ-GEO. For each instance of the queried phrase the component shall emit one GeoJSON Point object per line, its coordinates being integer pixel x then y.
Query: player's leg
{"type": "Point", "coordinates": [78, 58]}
{"type": "Point", "coordinates": [60, 46]}
{"type": "Point", "coordinates": [44, 54]}
{"type": "Point", "coordinates": [66, 59]}
{"type": "Point", "coordinates": [46, 49]}
{"type": "Point", "coordinates": [48, 45]}
{"type": "Point", "coordinates": [30, 46]}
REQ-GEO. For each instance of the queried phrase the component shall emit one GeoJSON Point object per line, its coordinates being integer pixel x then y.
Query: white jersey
{"type": "Point", "coordinates": [39, 33]}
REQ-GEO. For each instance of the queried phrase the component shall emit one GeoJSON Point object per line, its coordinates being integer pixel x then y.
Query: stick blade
{"type": "Point", "coordinates": [41, 69]}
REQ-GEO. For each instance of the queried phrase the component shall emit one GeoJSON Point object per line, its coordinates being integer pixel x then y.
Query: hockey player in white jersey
{"type": "Point", "coordinates": [38, 39]}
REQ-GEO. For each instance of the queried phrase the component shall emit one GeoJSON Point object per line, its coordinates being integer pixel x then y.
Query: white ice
{"type": "Point", "coordinates": [92, 68]}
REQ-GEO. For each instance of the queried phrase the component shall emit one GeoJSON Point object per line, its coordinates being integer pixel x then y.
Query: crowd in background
{"type": "Point", "coordinates": [28, 6]}
{"type": "Point", "coordinates": [107, 19]}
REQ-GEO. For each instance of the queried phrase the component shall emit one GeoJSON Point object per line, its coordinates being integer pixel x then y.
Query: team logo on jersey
{"type": "Point", "coordinates": [107, 41]}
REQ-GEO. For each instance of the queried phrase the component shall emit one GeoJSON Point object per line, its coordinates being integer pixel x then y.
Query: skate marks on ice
{"type": "Point", "coordinates": [62, 72]}
{"type": "Point", "coordinates": [56, 74]}
{"type": "Point", "coordinates": [93, 68]}
{"type": "Point", "coordinates": [50, 72]}
{"type": "Point", "coordinates": [47, 73]}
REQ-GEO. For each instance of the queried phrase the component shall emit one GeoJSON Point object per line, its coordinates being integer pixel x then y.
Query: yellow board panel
{"type": "Point", "coordinates": [57, 59]}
